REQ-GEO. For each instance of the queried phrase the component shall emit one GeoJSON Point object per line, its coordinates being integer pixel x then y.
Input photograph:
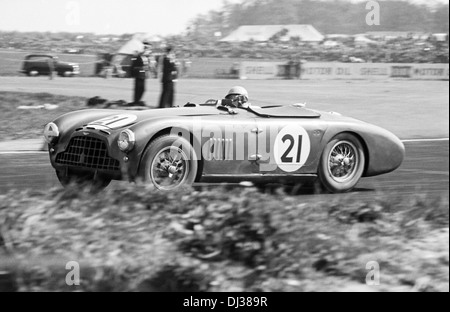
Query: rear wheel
{"type": "Point", "coordinates": [83, 180]}
{"type": "Point", "coordinates": [169, 163]}
{"type": "Point", "coordinates": [342, 163]}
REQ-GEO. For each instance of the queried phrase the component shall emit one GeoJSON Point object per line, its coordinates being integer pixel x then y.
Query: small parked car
{"type": "Point", "coordinates": [39, 64]}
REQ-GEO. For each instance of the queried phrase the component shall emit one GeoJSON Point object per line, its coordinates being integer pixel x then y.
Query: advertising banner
{"type": "Point", "coordinates": [259, 70]}
{"type": "Point", "coordinates": [348, 71]}
{"type": "Point", "coordinates": [430, 72]}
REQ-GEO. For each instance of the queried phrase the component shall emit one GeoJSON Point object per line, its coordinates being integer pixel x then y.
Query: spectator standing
{"type": "Point", "coordinates": [169, 77]}
{"type": "Point", "coordinates": [139, 67]}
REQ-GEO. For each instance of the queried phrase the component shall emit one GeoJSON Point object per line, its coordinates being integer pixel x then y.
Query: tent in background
{"type": "Point", "coordinates": [147, 37]}
{"type": "Point", "coordinates": [131, 47]}
{"type": "Point", "coordinates": [136, 43]}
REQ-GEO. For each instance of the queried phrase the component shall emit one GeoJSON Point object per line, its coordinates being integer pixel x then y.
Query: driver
{"type": "Point", "coordinates": [236, 97]}
{"type": "Point", "coordinates": [239, 96]}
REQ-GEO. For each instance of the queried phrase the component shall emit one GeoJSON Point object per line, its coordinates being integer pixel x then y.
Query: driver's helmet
{"type": "Point", "coordinates": [238, 93]}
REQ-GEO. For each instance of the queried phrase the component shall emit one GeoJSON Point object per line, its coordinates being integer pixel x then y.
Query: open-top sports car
{"type": "Point", "coordinates": [179, 146]}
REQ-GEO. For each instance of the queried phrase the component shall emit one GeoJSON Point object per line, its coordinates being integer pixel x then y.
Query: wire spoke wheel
{"type": "Point", "coordinates": [169, 168]}
{"type": "Point", "coordinates": [343, 160]}
{"type": "Point", "coordinates": [169, 163]}
{"type": "Point", "coordinates": [342, 163]}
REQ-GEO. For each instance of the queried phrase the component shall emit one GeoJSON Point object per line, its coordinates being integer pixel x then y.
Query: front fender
{"type": "Point", "coordinates": [147, 130]}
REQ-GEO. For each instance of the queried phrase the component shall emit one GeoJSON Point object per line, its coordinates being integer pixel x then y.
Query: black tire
{"type": "Point", "coordinates": [167, 173]}
{"type": "Point", "coordinates": [96, 183]}
{"type": "Point", "coordinates": [342, 163]}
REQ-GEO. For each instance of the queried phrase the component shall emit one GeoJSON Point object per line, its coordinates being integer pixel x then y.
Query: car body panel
{"type": "Point", "coordinates": [312, 129]}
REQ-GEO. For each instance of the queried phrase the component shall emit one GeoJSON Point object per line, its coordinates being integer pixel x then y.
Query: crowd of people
{"type": "Point", "coordinates": [398, 50]}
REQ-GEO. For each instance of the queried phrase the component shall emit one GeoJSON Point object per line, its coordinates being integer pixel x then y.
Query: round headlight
{"type": "Point", "coordinates": [51, 133]}
{"type": "Point", "coordinates": [126, 140]}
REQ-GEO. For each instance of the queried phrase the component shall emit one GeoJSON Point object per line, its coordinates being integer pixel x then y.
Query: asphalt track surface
{"type": "Point", "coordinates": [425, 170]}
{"type": "Point", "coordinates": [409, 109]}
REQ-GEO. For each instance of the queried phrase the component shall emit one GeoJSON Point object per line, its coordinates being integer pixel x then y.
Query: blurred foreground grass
{"type": "Point", "coordinates": [29, 123]}
{"type": "Point", "coordinates": [133, 238]}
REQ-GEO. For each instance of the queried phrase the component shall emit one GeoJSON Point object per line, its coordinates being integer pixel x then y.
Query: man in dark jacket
{"type": "Point", "coordinates": [169, 77]}
{"type": "Point", "coordinates": [139, 66]}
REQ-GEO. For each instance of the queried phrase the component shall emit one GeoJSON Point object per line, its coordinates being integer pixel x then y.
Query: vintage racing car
{"type": "Point", "coordinates": [178, 146]}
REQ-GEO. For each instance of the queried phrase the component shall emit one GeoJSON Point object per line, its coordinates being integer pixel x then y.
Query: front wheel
{"type": "Point", "coordinates": [169, 163]}
{"type": "Point", "coordinates": [342, 163]}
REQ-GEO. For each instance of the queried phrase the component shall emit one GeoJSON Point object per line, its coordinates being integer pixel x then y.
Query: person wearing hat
{"type": "Point", "coordinates": [139, 67]}
{"type": "Point", "coordinates": [169, 77]}
{"type": "Point", "coordinates": [238, 96]}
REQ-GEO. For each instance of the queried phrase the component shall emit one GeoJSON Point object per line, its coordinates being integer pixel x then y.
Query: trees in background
{"type": "Point", "coordinates": [337, 16]}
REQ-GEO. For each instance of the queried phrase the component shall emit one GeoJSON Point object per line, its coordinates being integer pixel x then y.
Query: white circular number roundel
{"type": "Point", "coordinates": [292, 148]}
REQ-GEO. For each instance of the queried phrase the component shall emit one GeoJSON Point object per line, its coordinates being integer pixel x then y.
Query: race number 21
{"type": "Point", "coordinates": [292, 148]}
{"type": "Point", "coordinates": [285, 158]}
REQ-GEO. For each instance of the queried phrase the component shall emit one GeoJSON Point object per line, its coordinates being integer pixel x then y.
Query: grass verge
{"type": "Point", "coordinates": [133, 238]}
{"type": "Point", "coordinates": [24, 116]}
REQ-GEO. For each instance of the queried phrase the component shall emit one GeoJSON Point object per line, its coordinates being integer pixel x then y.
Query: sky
{"type": "Point", "coordinates": [157, 17]}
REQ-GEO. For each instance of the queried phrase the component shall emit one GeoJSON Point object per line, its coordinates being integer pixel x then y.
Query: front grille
{"type": "Point", "coordinates": [88, 152]}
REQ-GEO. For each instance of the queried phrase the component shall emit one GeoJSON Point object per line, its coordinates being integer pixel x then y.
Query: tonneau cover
{"type": "Point", "coordinates": [291, 111]}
